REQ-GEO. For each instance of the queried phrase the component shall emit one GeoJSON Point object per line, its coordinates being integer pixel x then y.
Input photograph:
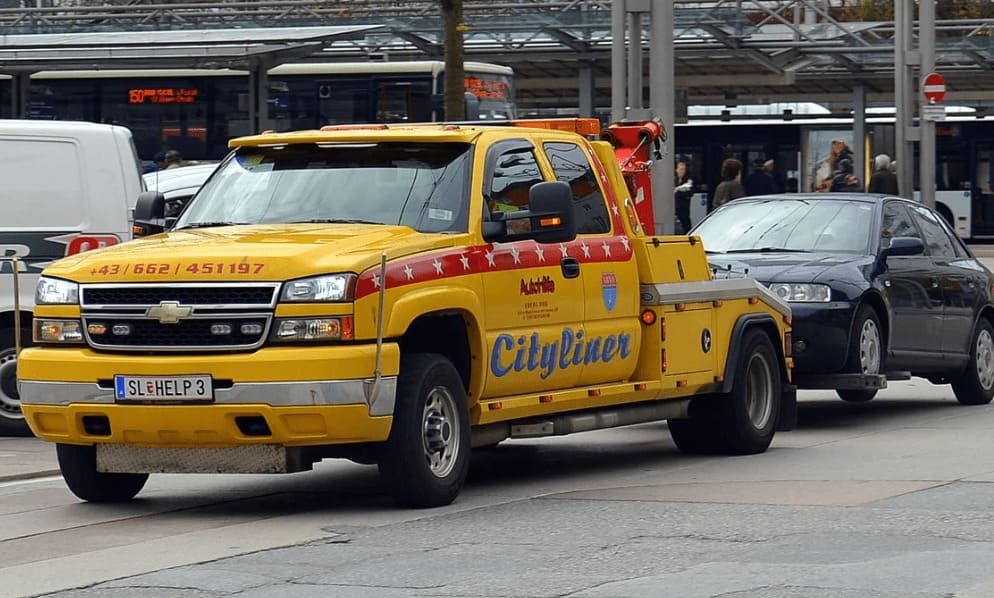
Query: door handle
{"type": "Point", "coordinates": [570, 266]}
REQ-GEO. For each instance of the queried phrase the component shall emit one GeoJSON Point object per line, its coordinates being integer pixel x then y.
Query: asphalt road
{"type": "Point", "coordinates": [888, 499]}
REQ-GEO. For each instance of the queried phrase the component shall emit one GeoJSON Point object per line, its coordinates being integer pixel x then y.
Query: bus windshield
{"type": "Point", "coordinates": [420, 185]}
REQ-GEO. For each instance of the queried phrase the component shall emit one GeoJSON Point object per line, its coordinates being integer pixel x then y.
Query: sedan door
{"type": "Point", "coordinates": [912, 291]}
{"type": "Point", "coordinates": [960, 277]}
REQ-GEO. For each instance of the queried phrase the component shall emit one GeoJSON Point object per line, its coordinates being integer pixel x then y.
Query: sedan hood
{"type": "Point", "coordinates": [783, 267]}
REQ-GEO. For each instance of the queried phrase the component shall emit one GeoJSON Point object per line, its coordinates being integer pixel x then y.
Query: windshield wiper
{"type": "Point", "coordinates": [334, 221]}
{"type": "Point", "coordinates": [212, 224]}
{"type": "Point", "coordinates": [768, 250]}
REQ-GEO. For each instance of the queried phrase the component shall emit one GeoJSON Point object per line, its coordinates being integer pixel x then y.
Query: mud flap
{"type": "Point", "coordinates": [787, 417]}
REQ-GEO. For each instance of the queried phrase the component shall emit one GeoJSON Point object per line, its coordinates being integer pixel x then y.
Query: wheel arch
{"type": "Point", "coordinates": [768, 325]}
{"type": "Point", "coordinates": [454, 334]}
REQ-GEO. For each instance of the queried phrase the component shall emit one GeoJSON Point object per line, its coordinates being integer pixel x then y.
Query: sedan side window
{"type": "Point", "coordinates": [936, 239]}
{"type": "Point", "coordinates": [896, 222]}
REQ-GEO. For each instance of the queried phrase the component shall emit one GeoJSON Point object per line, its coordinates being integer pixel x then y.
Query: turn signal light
{"type": "Point", "coordinates": [554, 221]}
{"type": "Point", "coordinates": [648, 317]}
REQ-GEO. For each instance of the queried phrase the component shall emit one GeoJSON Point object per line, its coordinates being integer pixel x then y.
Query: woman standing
{"type": "Point", "coordinates": [730, 186]}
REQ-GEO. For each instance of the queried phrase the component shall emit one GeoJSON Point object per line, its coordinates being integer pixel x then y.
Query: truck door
{"type": "Point", "coordinates": [608, 270]}
{"type": "Point", "coordinates": [533, 292]}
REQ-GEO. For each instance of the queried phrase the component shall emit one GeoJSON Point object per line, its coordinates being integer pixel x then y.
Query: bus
{"type": "Point", "coordinates": [964, 154]}
{"type": "Point", "coordinates": [196, 111]}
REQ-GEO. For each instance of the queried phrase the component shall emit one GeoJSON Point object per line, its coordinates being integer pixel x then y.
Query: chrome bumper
{"type": "Point", "coordinates": [380, 397]}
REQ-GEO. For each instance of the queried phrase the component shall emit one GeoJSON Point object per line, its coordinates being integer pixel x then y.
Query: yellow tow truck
{"type": "Point", "coordinates": [396, 295]}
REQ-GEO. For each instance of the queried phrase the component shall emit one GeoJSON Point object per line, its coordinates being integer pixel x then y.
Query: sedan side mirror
{"type": "Point", "coordinates": [904, 246]}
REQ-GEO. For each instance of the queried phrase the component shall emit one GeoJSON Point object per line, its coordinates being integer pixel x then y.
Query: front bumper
{"type": "Point", "coordinates": [820, 336]}
{"type": "Point", "coordinates": [291, 396]}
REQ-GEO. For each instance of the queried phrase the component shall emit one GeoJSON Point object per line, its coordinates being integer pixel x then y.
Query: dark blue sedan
{"type": "Point", "coordinates": [880, 288]}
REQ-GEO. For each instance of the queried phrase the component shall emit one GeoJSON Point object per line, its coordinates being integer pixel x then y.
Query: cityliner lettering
{"type": "Point", "coordinates": [527, 352]}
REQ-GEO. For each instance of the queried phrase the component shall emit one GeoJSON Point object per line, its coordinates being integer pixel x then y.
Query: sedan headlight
{"type": "Point", "coordinates": [333, 287]}
{"type": "Point", "coordinates": [55, 291]}
{"type": "Point", "coordinates": [800, 292]}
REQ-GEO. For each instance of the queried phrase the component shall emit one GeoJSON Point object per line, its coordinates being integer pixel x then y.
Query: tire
{"type": "Point", "coordinates": [79, 470]}
{"type": "Point", "coordinates": [12, 421]}
{"type": "Point", "coordinates": [425, 460]}
{"type": "Point", "coordinates": [742, 422]}
{"type": "Point", "coordinates": [975, 384]}
{"type": "Point", "coordinates": [866, 354]}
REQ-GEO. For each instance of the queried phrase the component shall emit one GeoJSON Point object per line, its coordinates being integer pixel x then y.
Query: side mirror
{"type": "Point", "coordinates": [549, 214]}
{"type": "Point", "coordinates": [150, 214]}
{"type": "Point", "coordinates": [904, 246]}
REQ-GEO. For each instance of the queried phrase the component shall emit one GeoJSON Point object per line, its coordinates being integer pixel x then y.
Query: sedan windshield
{"type": "Point", "coordinates": [421, 185]}
{"type": "Point", "coordinates": [789, 225]}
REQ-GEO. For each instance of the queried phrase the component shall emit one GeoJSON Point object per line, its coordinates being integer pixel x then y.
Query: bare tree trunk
{"type": "Point", "coordinates": [454, 73]}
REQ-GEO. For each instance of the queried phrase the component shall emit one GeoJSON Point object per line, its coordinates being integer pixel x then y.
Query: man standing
{"type": "Point", "coordinates": [883, 180]}
{"type": "Point", "coordinates": [682, 193]}
{"type": "Point", "coordinates": [759, 182]}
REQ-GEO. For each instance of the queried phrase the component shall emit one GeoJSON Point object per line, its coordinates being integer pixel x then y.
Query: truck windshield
{"type": "Point", "coordinates": [421, 185]}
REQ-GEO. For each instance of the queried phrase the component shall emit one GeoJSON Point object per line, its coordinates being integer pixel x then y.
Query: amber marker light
{"type": "Point", "coordinates": [786, 344]}
{"type": "Point", "coordinates": [495, 406]}
{"type": "Point", "coordinates": [545, 399]}
{"type": "Point", "coordinates": [753, 300]}
{"type": "Point", "coordinates": [681, 306]}
{"type": "Point", "coordinates": [554, 221]}
{"type": "Point", "coordinates": [717, 303]}
{"type": "Point", "coordinates": [641, 386]}
{"type": "Point", "coordinates": [681, 383]}
{"type": "Point", "coordinates": [664, 360]}
{"type": "Point", "coordinates": [596, 392]}
{"type": "Point", "coordinates": [648, 317]}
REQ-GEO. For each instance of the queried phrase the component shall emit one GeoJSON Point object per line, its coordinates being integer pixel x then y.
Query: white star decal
{"type": "Point", "coordinates": [376, 280]}
{"type": "Point", "coordinates": [490, 259]}
{"type": "Point", "coordinates": [438, 267]}
{"type": "Point", "coordinates": [586, 249]}
{"type": "Point", "coordinates": [540, 253]}
{"type": "Point", "coordinates": [624, 241]}
{"type": "Point", "coordinates": [606, 248]}
{"type": "Point", "coordinates": [516, 255]}
{"type": "Point", "coordinates": [409, 272]}
{"type": "Point", "coordinates": [616, 210]}
{"type": "Point", "coordinates": [562, 248]}
{"type": "Point", "coordinates": [465, 261]}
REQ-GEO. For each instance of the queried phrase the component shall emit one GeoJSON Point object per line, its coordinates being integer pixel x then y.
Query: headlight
{"type": "Point", "coordinates": [58, 331]}
{"type": "Point", "coordinates": [312, 329]}
{"type": "Point", "coordinates": [802, 292]}
{"type": "Point", "coordinates": [333, 287]}
{"type": "Point", "coordinates": [55, 291]}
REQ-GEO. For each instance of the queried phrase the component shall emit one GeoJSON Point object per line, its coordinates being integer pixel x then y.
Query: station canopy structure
{"type": "Point", "coordinates": [727, 52]}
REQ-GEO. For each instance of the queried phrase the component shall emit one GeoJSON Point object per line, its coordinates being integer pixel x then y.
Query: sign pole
{"type": "Point", "coordinates": [926, 45]}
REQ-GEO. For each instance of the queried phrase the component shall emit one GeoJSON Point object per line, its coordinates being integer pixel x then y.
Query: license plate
{"type": "Point", "coordinates": [163, 388]}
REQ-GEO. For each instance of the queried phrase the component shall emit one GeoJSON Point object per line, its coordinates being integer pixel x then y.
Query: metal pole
{"type": "Point", "coordinates": [585, 88]}
{"type": "Point", "coordinates": [618, 100]}
{"type": "Point", "coordinates": [926, 44]}
{"type": "Point", "coordinates": [18, 342]}
{"type": "Point", "coordinates": [903, 147]}
{"type": "Point", "coordinates": [635, 61]}
{"type": "Point", "coordinates": [859, 134]}
{"type": "Point", "coordinates": [662, 98]}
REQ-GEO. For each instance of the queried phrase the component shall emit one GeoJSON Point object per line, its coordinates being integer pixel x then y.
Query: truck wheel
{"type": "Point", "coordinates": [748, 417]}
{"type": "Point", "coordinates": [865, 353]}
{"type": "Point", "coordinates": [742, 422]}
{"type": "Point", "coordinates": [11, 419]}
{"type": "Point", "coordinates": [975, 385]}
{"type": "Point", "coordinates": [425, 460]}
{"type": "Point", "coordinates": [79, 469]}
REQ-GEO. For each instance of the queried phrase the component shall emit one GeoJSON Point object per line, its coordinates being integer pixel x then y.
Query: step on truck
{"type": "Point", "coordinates": [397, 295]}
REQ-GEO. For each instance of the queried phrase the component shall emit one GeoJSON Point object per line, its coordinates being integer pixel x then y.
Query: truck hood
{"type": "Point", "coordinates": [271, 252]}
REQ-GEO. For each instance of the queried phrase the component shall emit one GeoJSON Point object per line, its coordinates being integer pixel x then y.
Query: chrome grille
{"type": "Point", "coordinates": [201, 317]}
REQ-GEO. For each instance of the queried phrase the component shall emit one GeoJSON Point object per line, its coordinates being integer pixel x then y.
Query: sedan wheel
{"type": "Point", "coordinates": [865, 354]}
{"type": "Point", "coordinates": [975, 385]}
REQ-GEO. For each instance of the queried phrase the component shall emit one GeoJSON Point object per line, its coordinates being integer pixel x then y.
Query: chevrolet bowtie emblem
{"type": "Point", "coordinates": [169, 312]}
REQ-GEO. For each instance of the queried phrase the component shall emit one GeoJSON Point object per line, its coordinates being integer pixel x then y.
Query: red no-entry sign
{"type": "Point", "coordinates": [934, 87]}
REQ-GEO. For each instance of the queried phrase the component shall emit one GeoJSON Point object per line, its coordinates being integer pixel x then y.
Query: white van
{"type": "Point", "coordinates": [65, 187]}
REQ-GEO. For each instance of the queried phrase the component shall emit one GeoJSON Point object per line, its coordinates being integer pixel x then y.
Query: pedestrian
{"type": "Point", "coordinates": [683, 191]}
{"type": "Point", "coordinates": [839, 151]}
{"type": "Point", "coordinates": [759, 181]}
{"type": "Point", "coordinates": [730, 186]}
{"type": "Point", "coordinates": [173, 159]}
{"type": "Point", "coordinates": [883, 180]}
{"type": "Point", "coordinates": [843, 179]}
{"type": "Point", "coordinates": [779, 180]}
